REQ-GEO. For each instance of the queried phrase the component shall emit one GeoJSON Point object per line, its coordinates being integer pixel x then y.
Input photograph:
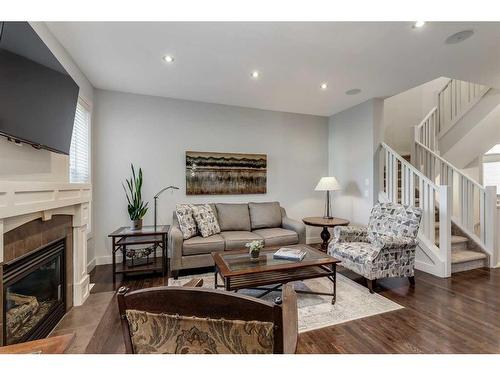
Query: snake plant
{"type": "Point", "coordinates": [136, 206]}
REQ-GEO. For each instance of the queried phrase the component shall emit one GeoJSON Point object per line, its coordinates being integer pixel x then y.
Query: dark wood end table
{"type": "Point", "coordinates": [317, 221]}
{"type": "Point", "coordinates": [238, 271]}
{"type": "Point", "coordinates": [147, 235]}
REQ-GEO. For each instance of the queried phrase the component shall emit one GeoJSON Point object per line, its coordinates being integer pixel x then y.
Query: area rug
{"type": "Point", "coordinates": [353, 301]}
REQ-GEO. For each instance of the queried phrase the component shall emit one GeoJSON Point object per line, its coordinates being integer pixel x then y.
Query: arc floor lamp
{"type": "Point", "coordinates": [158, 194]}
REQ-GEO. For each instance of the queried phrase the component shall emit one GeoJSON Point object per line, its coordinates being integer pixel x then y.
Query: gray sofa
{"type": "Point", "coordinates": [239, 223]}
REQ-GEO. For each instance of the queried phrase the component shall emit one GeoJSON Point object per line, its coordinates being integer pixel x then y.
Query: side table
{"type": "Point", "coordinates": [317, 221]}
{"type": "Point", "coordinates": [147, 235]}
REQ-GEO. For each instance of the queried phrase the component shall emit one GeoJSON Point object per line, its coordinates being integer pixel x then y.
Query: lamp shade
{"type": "Point", "coordinates": [327, 184]}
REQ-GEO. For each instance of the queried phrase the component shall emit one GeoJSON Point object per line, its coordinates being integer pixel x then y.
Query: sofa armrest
{"type": "Point", "coordinates": [296, 226]}
{"type": "Point", "coordinates": [350, 234]}
{"type": "Point", "coordinates": [175, 242]}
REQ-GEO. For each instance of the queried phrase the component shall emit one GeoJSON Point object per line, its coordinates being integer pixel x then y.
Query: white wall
{"type": "Point", "coordinates": [354, 136]}
{"type": "Point", "coordinates": [26, 163]}
{"type": "Point", "coordinates": [154, 133]}
{"type": "Point", "coordinates": [405, 110]}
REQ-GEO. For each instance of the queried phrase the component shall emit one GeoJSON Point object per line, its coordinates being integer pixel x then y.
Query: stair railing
{"type": "Point", "coordinates": [402, 183]}
{"type": "Point", "coordinates": [454, 100]}
{"type": "Point", "coordinates": [473, 205]}
{"type": "Point", "coordinates": [426, 132]}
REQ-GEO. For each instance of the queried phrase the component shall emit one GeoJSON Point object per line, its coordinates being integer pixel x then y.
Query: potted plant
{"type": "Point", "coordinates": [254, 248]}
{"type": "Point", "coordinates": [136, 206]}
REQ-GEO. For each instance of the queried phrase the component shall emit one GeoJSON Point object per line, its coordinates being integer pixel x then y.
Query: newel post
{"type": "Point", "coordinates": [445, 207]}
{"type": "Point", "coordinates": [490, 229]}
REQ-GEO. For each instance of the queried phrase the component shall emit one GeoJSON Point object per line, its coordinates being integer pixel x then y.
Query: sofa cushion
{"type": "Point", "coordinates": [185, 219]}
{"type": "Point", "coordinates": [278, 236]}
{"type": "Point", "coordinates": [206, 221]}
{"type": "Point", "coordinates": [265, 215]}
{"type": "Point", "coordinates": [233, 216]}
{"type": "Point", "coordinates": [236, 239]}
{"type": "Point", "coordinates": [203, 245]}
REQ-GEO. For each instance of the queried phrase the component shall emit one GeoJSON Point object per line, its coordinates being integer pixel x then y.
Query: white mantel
{"type": "Point", "coordinates": [24, 201]}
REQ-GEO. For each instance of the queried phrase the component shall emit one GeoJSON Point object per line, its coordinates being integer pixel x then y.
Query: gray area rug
{"type": "Point", "coordinates": [353, 301]}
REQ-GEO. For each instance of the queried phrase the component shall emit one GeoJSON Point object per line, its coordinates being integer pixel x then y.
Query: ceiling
{"type": "Point", "coordinates": [214, 60]}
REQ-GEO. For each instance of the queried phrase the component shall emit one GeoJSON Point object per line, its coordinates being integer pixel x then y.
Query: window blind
{"type": "Point", "coordinates": [79, 154]}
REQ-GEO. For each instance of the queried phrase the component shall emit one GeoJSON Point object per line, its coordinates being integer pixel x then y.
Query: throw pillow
{"type": "Point", "coordinates": [187, 224]}
{"type": "Point", "coordinates": [205, 220]}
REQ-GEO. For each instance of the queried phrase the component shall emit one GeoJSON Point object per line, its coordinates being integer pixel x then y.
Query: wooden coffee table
{"type": "Point", "coordinates": [238, 271]}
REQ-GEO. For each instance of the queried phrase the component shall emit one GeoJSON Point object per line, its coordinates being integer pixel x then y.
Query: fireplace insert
{"type": "Point", "coordinates": [34, 293]}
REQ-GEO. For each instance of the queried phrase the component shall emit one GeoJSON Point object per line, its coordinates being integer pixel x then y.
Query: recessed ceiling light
{"type": "Point", "coordinates": [459, 37]}
{"type": "Point", "coordinates": [323, 86]}
{"type": "Point", "coordinates": [418, 24]}
{"type": "Point", "coordinates": [353, 92]}
{"type": "Point", "coordinates": [255, 74]}
{"type": "Point", "coordinates": [168, 58]}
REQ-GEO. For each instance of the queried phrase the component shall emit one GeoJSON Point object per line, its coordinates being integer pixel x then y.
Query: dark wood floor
{"type": "Point", "coordinates": [456, 315]}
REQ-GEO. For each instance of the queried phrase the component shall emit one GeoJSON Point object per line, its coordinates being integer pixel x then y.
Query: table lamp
{"type": "Point", "coordinates": [327, 184]}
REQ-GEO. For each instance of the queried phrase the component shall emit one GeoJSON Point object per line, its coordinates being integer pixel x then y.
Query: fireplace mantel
{"type": "Point", "coordinates": [24, 201]}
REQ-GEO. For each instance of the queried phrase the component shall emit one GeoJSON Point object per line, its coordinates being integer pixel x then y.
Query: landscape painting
{"type": "Point", "coordinates": [219, 173]}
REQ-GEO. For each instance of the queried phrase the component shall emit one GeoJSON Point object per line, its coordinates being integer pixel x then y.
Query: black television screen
{"type": "Point", "coordinates": [37, 96]}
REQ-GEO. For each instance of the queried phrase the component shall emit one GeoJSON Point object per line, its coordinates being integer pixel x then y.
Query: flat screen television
{"type": "Point", "coordinates": [37, 96]}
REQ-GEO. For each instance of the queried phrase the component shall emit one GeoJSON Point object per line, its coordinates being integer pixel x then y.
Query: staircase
{"type": "Point", "coordinates": [458, 221]}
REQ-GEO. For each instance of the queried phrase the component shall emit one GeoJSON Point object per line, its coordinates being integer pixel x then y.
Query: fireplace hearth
{"type": "Point", "coordinates": [34, 291]}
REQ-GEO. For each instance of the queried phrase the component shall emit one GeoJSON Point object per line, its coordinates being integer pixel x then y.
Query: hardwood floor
{"type": "Point", "coordinates": [456, 315]}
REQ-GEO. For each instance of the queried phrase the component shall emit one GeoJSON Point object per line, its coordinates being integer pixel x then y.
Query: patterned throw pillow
{"type": "Point", "coordinates": [205, 220]}
{"type": "Point", "coordinates": [186, 220]}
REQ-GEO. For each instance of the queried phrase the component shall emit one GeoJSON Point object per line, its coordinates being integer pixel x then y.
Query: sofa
{"type": "Point", "coordinates": [239, 223]}
{"type": "Point", "coordinates": [385, 248]}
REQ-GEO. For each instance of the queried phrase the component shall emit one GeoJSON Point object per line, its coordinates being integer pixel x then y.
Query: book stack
{"type": "Point", "coordinates": [290, 254]}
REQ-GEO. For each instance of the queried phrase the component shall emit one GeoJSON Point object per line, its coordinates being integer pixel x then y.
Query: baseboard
{"type": "Point", "coordinates": [313, 240]}
{"type": "Point", "coordinates": [106, 259]}
{"type": "Point", "coordinates": [91, 265]}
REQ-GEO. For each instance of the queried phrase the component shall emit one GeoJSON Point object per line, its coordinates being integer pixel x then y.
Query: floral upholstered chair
{"type": "Point", "coordinates": [193, 320]}
{"type": "Point", "coordinates": [385, 248]}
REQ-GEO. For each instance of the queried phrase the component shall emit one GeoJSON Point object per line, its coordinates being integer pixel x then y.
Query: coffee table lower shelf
{"type": "Point", "coordinates": [273, 280]}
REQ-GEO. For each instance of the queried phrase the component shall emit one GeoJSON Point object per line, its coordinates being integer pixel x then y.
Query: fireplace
{"type": "Point", "coordinates": [34, 293]}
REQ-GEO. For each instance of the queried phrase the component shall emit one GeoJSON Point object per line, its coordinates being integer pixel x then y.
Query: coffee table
{"type": "Point", "coordinates": [238, 271]}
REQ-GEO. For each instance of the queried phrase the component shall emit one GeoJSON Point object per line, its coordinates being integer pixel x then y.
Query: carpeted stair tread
{"type": "Point", "coordinates": [461, 256]}
{"type": "Point", "coordinates": [455, 240]}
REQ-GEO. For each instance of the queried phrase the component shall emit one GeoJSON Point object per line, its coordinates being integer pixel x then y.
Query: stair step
{"type": "Point", "coordinates": [457, 242]}
{"type": "Point", "coordinates": [466, 260]}
{"type": "Point", "coordinates": [461, 256]}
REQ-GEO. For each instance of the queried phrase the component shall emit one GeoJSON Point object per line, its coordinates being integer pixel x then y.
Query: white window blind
{"type": "Point", "coordinates": [79, 153]}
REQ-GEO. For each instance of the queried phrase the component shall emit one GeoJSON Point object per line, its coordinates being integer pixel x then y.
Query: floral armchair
{"type": "Point", "coordinates": [385, 248]}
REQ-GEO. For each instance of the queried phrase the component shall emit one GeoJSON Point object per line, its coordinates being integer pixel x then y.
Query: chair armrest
{"type": "Point", "coordinates": [392, 242]}
{"type": "Point", "coordinates": [194, 283]}
{"type": "Point", "coordinates": [350, 234]}
{"type": "Point", "coordinates": [296, 226]}
{"type": "Point", "coordinates": [290, 319]}
{"type": "Point", "coordinates": [175, 242]}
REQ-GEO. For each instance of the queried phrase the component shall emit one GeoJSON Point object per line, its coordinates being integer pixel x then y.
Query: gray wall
{"type": "Point", "coordinates": [154, 133]}
{"type": "Point", "coordinates": [353, 143]}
